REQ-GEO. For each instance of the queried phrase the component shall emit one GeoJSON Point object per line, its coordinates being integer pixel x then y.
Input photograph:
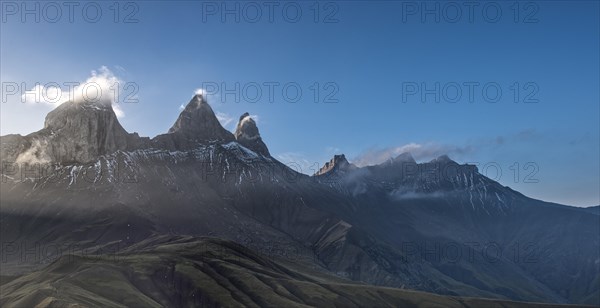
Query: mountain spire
{"type": "Point", "coordinates": [246, 133]}
{"type": "Point", "coordinates": [198, 121]}
{"type": "Point", "coordinates": [196, 124]}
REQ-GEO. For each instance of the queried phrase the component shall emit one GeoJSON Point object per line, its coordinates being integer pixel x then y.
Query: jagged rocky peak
{"type": "Point", "coordinates": [198, 122]}
{"type": "Point", "coordinates": [70, 111]}
{"type": "Point", "coordinates": [75, 132]}
{"type": "Point", "coordinates": [337, 163]}
{"type": "Point", "coordinates": [246, 133]}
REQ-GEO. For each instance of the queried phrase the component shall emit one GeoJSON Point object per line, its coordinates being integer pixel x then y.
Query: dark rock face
{"type": "Point", "coordinates": [347, 220]}
{"type": "Point", "coordinates": [197, 124]}
{"type": "Point", "coordinates": [81, 132]}
{"type": "Point", "coordinates": [337, 163]}
{"type": "Point", "coordinates": [74, 132]}
{"type": "Point", "coordinates": [247, 135]}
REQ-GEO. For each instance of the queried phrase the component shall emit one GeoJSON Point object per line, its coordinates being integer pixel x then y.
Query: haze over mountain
{"type": "Point", "coordinates": [84, 184]}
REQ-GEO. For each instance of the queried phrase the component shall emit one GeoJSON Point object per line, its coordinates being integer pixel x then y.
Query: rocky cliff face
{"type": "Point", "coordinates": [354, 222]}
{"type": "Point", "coordinates": [197, 124]}
{"type": "Point", "coordinates": [338, 162]}
{"type": "Point", "coordinates": [81, 132]}
{"type": "Point", "coordinates": [74, 132]}
{"type": "Point", "coordinates": [246, 133]}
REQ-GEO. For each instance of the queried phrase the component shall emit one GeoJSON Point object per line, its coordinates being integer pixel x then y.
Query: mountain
{"type": "Point", "coordinates": [444, 204]}
{"type": "Point", "coordinates": [246, 133]}
{"type": "Point", "coordinates": [83, 185]}
{"type": "Point", "coordinates": [338, 164]}
{"type": "Point", "coordinates": [197, 124]}
{"type": "Point", "coordinates": [170, 271]}
{"type": "Point", "coordinates": [592, 209]}
{"type": "Point", "coordinates": [72, 133]}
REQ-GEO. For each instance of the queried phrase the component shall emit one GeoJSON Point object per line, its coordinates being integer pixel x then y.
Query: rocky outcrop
{"type": "Point", "coordinates": [196, 124]}
{"type": "Point", "coordinates": [74, 132]}
{"type": "Point", "coordinates": [81, 132]}
{"type": "Point", "coordinates": [337, 163]}
{"type": "Point", "coordinates": [11, 146]}
{"type": "Point", "coordinates": [246, 133]}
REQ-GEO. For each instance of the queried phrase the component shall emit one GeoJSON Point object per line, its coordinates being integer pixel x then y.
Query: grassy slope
{"type": "Point", "coordinates": [205, 272]}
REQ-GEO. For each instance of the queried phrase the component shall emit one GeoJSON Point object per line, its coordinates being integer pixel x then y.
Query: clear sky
{"type": "Point", "coordinates": [370, 62]}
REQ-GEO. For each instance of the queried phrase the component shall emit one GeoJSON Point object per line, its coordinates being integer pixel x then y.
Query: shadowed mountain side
{"type": "Point", "coordinates": [545, 248]}
{"type": "Point", "coordinates": [103, 188]}
{"type": "Point", "coordinates": [205, 272]}
{"type": "Point", "coordinates": [592, 209]}
{"type": "Point", "coordinates": [246, 133]}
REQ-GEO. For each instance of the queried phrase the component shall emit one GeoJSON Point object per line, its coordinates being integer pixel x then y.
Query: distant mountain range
{"type": "Point", "coordinates": [86, 204]}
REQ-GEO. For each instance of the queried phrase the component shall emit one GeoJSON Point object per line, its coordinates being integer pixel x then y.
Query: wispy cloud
{"type": "Point", "coordinates": [200, 91]}
{"type": "Point", "coordinates": [211, 98]}
{"type": "Point", "coordinates": [430, 150]}
{"type": "Point", "coordinates": [420, 151]}
{"type": "Point", "coordinates": [410, 194]}
{"type": "Point", "coordinates": [103, 86]}
{"type": "Point", "coordinates": [523, 135]}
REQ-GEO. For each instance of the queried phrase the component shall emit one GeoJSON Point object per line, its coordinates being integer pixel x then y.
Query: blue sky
{"type": "Point", "coordinates": [366, 57]}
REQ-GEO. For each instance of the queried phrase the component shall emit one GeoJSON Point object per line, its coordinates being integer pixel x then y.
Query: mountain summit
{"type": "Point", "coordinates": [198, 122]}
{"type": "Point", "coordinates": [74, 132]}
{"type": "Point", "coordinates": [246, 133]}
{"type": "Point", "coordinates": [82, 131]}
{"type": "Point", "coordinates": [337, 163]}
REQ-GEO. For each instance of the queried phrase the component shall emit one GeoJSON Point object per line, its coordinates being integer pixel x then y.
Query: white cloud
{"type": "Point", "coordinates": [200, 91]}
{"type": "Point", "coordinates": [118, 111]}
{"type": "Point", "coordinates": [209, 97]}
{"type": "Point", "coordinates": [102, 87]}
{"type": "Point", "coordinates": [36, 154]}
{"type": "Point", "coordinates": [429, 150]}
{"type": "Point", "coordinates": [420, 151]}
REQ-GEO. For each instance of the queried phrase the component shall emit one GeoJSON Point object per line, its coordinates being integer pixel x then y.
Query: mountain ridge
{"type": "Point", "coordinates": [88, 130]}
{"type": "Point", "coordinates": [355, 224]}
